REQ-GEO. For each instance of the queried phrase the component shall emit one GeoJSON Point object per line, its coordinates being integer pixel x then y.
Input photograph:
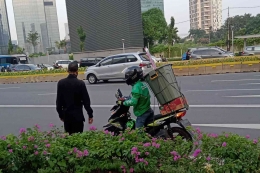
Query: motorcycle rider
{"type": "Point", "coordinates": [140, 99]}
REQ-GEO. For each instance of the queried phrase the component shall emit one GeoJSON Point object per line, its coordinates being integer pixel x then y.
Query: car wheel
{"type": "Point", "coordinates": [92, 79]}
{"type": "Point", "coordinates": [106, 81]}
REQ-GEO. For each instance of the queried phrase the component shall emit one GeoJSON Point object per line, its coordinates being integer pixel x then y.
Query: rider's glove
{"type": "Point", "coordinates": [120, 102]}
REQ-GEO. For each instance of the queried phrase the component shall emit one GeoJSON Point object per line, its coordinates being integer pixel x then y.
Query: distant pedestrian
{"type": "Point", "coordinates": [72, 95]}
{"type": "Point", "coordinates": [188, 55]}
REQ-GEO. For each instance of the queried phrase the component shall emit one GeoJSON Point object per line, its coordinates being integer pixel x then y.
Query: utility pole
{"type": "Point", "coordinates": [228, 23]}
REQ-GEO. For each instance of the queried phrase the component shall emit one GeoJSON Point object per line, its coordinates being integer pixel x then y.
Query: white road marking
{"type": "Point", "coordinates": [46, 94]}
{"type": "Point", "coordinates": [244, 96]}
{"type": "Point", "coordinates": [250, 84]}
{"type": "Point", "coordinates": [239, 126]}
{"type": "Point", "coordinates": [109, 106]}
{"type": "Point", "coordinates": [105, 85]}
{"type": "Point", "coordinates": [223, 90]}
{"type": "Point", "coordinates": [9, 88]}
{"type": "Point", "coordinates": [234, 80]}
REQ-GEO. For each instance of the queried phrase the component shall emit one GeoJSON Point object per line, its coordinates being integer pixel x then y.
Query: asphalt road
{"type": "Point", "coordinates": [226, 102]}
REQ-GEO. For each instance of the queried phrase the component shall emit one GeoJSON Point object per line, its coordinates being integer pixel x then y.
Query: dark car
{"type": "Point", "coordinates": [25, 67]}
{"type": "Point", "coordinates": [209, 52]}
{"type": "Point", "coordinates": [87, 62]}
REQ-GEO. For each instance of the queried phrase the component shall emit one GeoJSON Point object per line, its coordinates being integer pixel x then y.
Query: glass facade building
{"type": "Point", "coordinates": [37, 16]}
{"type": "Point", "coordinates": [149, 4]}
{"type": "Point", "coordinates": [4, 28]}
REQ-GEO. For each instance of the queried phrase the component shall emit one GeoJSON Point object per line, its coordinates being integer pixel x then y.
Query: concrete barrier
{"type": "Point", "coordinates": [197, 70]}
{"type": "Point", "coordinates": [218, 68]}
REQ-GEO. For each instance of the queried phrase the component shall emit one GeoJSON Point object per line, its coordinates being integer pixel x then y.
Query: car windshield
{"type": "Point", "coordinates": [33, 66]}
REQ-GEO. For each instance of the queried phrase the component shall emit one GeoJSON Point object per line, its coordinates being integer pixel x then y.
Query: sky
{"type": "Point", "coordinates": [179, 9]}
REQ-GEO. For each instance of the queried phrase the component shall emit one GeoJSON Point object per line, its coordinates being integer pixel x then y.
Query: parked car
{"type": "Point", "coordinates": [113, 67]}
{"type": "Point", "coordinates": [251, 50]}
{"type": "Point", "coordinates": [25, 67]}
{"type": "Point", "coordinates": [46, 66]}
{"type": "Point", "coordinates": [63, 63]}
{"type": "Point", "coordinates": [90, 61]}
{"type": "Point", "coordinates": [212, 52]}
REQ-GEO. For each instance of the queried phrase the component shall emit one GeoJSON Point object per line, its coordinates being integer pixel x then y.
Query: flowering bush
{"type": "Point", "coordinates": [211, 61]}
{"type": "Point", "coordinates": [97, 151]}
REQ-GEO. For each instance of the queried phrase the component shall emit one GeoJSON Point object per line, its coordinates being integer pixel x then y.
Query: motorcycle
{"type": "Point", "coordinates": [159, 127]}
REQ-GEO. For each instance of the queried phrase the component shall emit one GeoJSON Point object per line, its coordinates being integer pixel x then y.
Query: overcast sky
{"type": "Point", "coordinates": [179, 9]}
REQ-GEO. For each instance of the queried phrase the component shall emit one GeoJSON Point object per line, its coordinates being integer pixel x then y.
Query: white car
{"type": "Point", "coordinates": [156, 59]}
{"type": "Point", "coordinates": [49, 67]}
{"type": "Point", "coordinates": [63, 63]}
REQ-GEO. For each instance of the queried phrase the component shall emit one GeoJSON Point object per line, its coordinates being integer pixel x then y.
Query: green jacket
{"type": "Point", "coordinates": [140, 98]}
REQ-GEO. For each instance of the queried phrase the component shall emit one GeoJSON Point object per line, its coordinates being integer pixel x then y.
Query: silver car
{"type": "Point", "coordinates": [113, 67]}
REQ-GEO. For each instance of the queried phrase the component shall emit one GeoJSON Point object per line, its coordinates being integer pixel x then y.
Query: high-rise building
{"type": "Point", "coordinates": [4, 28]}
{"type": "Point", "coordinates": [110, 25]}
{"type": "Point", "coordinates": [205, 14]}
{"type": "Point", "coordinates": [149, 4]}
{"type": "Point", "coordinates": [67, 36]}
{"type": "Point", "coordinates": [37, 16]}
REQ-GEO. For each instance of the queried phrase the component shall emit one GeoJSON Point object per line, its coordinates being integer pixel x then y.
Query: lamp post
{"type": "Point", "coordinates": [123, 42]}
{"type": "Point", "coordinates": [232, 29]}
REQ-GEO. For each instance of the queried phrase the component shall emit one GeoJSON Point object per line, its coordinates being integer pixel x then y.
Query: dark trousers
{"type": "Point", "coordinates": [143, 119]}
{"type": "Point", "coordinates": [73, 127]}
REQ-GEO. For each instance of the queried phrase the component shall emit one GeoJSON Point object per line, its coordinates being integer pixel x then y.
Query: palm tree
{"type": "Point", "coordinates": [61, 44]}
{"type": "Point", "coordinates": [172, 34]}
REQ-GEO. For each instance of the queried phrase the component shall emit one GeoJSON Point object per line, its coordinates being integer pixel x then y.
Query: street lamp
{"type": "Point", "coordinates": [232, 29]}
{"type": "Point", "coordinates": [123, 42]}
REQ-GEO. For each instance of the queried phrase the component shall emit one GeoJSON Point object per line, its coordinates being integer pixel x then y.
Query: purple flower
{"type": "Point", "coordinates": [196, 143]}
{"type": "Point", "coordinates": [141, 160]}
{"type": "Point", "coordinates": [92, 128]}
{"type": "Point", "coordinates": [79, 154]}
{"type": "Point", "coordinates": [106, 132]}
{"type": "Point", "coordinates": [36, 153]}
{"type": "Point", "coordinates": [46, 141]}
{"type": "Point", "coordinates": [48, 145]}
{"type": "Point", "coordinates": [51, 125]}
{"type": "Point", "coordinates": [224, 144]}
{"type": "Point", "coordinates": [196, 152]}
{"type": "Point", "coordinates": [255, 141]}
{"type": "Point", "coordinates": [134, 149]}
{"type": "Point", "coordinates": [131, 170]}
{"type": "Point", "coordinates": [122, 167]}
{"type": "Point", "coordinates": [3, 138]}
{"type": "Point", "coordinates": [247, 136]}
{"type": "Point", "coordinates": [35, 146]}
{"type": "Point", "coordinates": [147, 153]}
{"type": "Point", "coordinates": [208, 158]}
{"type": "Point", "coordinates": [200, 136]}
{"type": "Point", "coordinates": [37, 126]}
{"type": "Point", "coordinates": [154, 139]}
{"type": "Point", "coordinates": [122, 139]}
{"type": "Point", "coordinates": [138, 153]}
{"type": "Point", "coordinates": [10, 151]}
{"type": "Point", "coordinates": [31, 138]}
{"type": "Point", "coordinates": [145, 162]}
{"type": "Point", "coordinates": [226, 135]}
{"type": "Point", "coordinates": [157, 146]}
{"type": "Point", "coordinates": [176, 158]}
{"type": "Point", "coordinates": [75, 150]}
{"type": "Point", "coordinates": [22, 130]}
{"type": "Point", "coordinates": [8, 146]}
{"type": "Point", "coordinates": [44, 152]}
{"type": "Point", "coordinates": [85, 152]}
{"type": "Point", "coordinates": [148, 144]}
{"type": "Point", "coordinates": [24, 147]}
{"type": "Point", "coordinates": [198, 130]}
{"type": "Point", "coordinates": [174, 153]}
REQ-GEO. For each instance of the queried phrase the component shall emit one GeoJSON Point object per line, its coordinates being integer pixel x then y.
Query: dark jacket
{"type": "Point", "coordinates": [72, 94]}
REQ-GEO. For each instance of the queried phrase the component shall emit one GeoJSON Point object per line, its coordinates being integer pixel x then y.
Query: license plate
{"type": "Point", "coordinates": [185, 123]}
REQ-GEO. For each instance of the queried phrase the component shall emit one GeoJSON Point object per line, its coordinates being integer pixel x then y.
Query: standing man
{"type": "Point", "coordinates": [72, 94]}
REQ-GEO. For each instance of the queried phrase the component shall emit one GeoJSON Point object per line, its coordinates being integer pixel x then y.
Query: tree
{"type": "Point", "coordinates": [172, 35]}
{"type": "Point", "coordinates": [82, 37]}
{"type": "Point", "coordinates": [154, 26]}
{"type": "Point", "coordinates": [10, 47]}
{"type": "Point", "coordinates": [61, 44]}
{"type": "Point", "coordinates": [19, 50]}
{"type": "Point", "coordinates": [32, 38]}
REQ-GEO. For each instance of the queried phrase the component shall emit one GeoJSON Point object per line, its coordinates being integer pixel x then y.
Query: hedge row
{"type": "Point", "coordinates": [214, 60]}
{"type": "Point", "coordinates": [99, 151]}
{"type": "Point", "coordinates": [175, 63]}
{"type": "Point", "coordinates": [62, 70]}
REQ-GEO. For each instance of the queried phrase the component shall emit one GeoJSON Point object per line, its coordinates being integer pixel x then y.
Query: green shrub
{"type": "Point", "coordinates": [97, 151]}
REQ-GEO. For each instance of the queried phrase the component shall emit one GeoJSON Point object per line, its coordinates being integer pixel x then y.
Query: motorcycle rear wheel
{"type": "Point", "coordinates": [182, 132]}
